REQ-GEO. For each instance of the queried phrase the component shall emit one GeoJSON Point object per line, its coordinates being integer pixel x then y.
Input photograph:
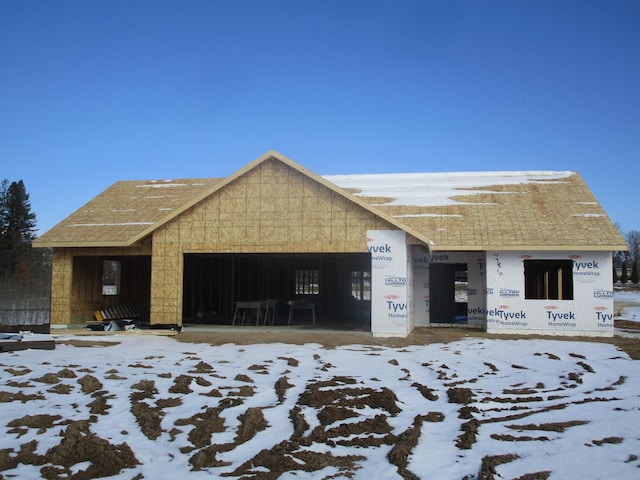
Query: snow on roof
{"type": "Point", "coordinates": [456, 211]}
{"type": "Point", "coordinates": [126, 210]}
{"type": "Point", "coordinates": [437, 189]}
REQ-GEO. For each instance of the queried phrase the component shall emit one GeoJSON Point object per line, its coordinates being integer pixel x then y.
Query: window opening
{"type": "Point", "coordinates": [461, 295]}
{"type": "Point", "coordinates": [548, 279]}
{"type": "Point", "coordinates": [307, 281]}
{"type": "Point", "coordinates": [361, 285]}
{"type": "Point", "coordinates": [461, 283]}
{"type": "Point", "coordinates": [110, 277]}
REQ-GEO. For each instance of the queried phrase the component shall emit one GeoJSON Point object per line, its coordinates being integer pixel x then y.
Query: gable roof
{"type": "Point", "coordinates": [447, 211]}
{"type": "Point", "coordinates": [534, 210]}
{"type": "Point", "coordinates": [125, 212]}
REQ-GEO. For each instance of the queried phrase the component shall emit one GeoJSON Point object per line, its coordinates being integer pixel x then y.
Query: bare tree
{"type": "Point", "coordinates": [633, 240]}
{"type": "Point", "coordinates": [621, 257]}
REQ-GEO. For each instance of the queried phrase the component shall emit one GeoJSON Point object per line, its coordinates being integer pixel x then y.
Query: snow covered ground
{"type": "Point", "coordinates": [152, 407]}
{"type": "Point", "coordinates": [632, 312]}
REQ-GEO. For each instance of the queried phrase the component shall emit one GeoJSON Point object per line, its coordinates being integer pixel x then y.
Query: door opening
{"type": "Point", "coordinates": [449, 295]}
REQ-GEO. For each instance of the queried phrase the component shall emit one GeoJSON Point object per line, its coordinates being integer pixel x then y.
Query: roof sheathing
{"type": "Point", "coordinates": [124, 213]}
{"type": "Point", "coordinates": [272, 155]}
{"type": "Point", "coordinates": [459, 211]}
{"type": "Point", "coordinates": [340, 191]}
{"type": "Point", "coordinates": [130, 226]}
{"type": "Point", "coordinates": [492, 210]}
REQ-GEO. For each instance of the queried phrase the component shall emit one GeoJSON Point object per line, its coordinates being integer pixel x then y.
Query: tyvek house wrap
{"type": "Point", "coordinates": [590, 312]}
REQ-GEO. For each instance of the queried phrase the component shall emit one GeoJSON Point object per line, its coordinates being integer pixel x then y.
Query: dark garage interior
{"type": "Point", "coordinates": [336, 285]}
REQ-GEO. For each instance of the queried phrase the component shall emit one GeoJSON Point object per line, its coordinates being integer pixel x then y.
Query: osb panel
{"type": "Point", "coordinates": [272, 208]}
{"type": "Point", "coordinates": [166, 283]}
{"type": "Point", "coordinates": [61, 276]}
{"type": "Point", "coordinates": [551, 214]}
{"type": "Point", "coordinates": [554, 213]}
{"type": "Point", "coordinates": [546, 214]}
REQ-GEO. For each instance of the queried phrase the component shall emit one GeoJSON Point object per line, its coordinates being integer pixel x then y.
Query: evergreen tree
{"type": "Point", "coordinates": [18, 222]}
{"type": "Point", "coordinates": [17, 231]}
{"type": "Point", "coordinates": [615, 273]}
{"type": "Point", "coordinates": [635, 277]}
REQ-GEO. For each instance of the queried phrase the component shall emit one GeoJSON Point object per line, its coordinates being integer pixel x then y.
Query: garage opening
{"type": "Point", "coordinates": [325, 290]}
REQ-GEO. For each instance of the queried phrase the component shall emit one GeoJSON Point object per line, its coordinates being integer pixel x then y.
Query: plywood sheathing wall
{"type": "Point", "coordinates": [272, 208]}
{"type": "Point", "coordinates": [61, 276]}
{"type": "Point", "coordinates": [63, 310]}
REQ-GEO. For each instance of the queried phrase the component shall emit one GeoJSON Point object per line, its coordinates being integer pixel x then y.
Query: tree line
{"type": "Point", "coordinates": [627, 262]}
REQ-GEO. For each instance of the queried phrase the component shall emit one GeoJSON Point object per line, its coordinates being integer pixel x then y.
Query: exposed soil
{"type": "Point", "coordinates": [420, 336]}
{"type": "Point", "coordinates": [331, 411]}
{"type": "Point", "coordinates": [78, 445]}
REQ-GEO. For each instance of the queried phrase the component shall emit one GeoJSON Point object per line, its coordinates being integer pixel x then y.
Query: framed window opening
{"type": "Point", "coordinates": [361, 285]}
{"type": "Point", "coordinates": [110, 277]}
{"type": "Point", "coordinates": [548, 279]}
{"type": "Point", "coordinates": [307, 281]}
{"type": "Point", "coordinates": [461, 278]}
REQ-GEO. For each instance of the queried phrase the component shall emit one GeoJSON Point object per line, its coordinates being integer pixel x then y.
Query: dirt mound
{"type": "Point", "coordinates": [406, 442]}
{"type": "Point", "coordinates": [251, 422]}
{"type": "Point", "coordinates": [149, 418]}
{"type": "Point", "coordinates": [460, 395]}
{"type": "Point", "coordinates": [181, 384]}
{"type": "Point", "coordinates": [285, 457]}
{"type": "Point", "coordinates": [78, 446]}
{"type": "Point", "coordinates": [282, 385]}
{"type": "Point", "coordinates": [356, 397]}
{"type": "Point", "coordinates": [205, 424]}
{"type": "Point", "coordinates": [41, 422]}
{"type": "Point", "coordinates": [89, 384]}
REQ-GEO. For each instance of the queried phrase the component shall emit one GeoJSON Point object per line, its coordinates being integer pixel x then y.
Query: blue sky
{"type": "Point", "coordinates": [92, 92]}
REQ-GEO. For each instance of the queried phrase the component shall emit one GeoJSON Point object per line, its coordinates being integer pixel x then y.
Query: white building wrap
{"type": "Point", "coordinates": [588, 310]}
{"type": "Point", "coordinates": [389, 283]}
{"type": "Point", "coordinates": [421, 260]}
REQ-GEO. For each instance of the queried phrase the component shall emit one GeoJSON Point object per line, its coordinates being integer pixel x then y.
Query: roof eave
{"type": "Point", "coordinates": [545, 248]}
{"type": "Point", "coordinates": [54, 244]}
